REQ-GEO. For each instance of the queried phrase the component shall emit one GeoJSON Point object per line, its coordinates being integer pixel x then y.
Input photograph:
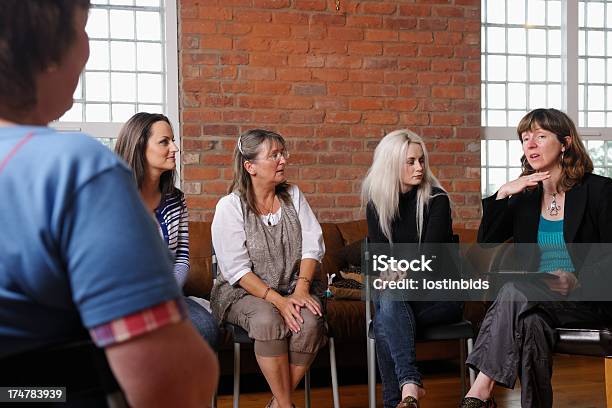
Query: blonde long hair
{"type": "Point", "coordinates": [382, 185]}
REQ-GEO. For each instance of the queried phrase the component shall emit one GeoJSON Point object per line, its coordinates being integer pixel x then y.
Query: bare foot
{"type": "Point", "coordinates": [413, 390]}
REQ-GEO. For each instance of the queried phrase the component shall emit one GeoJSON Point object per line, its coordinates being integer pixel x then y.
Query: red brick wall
{"type": "Point", "coordinates": [333, 83]}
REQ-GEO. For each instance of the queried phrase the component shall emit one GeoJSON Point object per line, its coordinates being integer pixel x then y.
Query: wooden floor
{"type": "Point", "coordinates": [578, 382]}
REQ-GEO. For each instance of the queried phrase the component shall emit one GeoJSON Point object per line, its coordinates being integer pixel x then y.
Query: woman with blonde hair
{"type": "Point", "coordinates": [269, 247]}
{"type": "Point", "coordinates": [405, 204]}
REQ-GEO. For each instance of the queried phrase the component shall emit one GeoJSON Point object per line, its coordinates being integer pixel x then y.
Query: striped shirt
{"type": "Point", "coordinates": [173, 222]}
{"type": "Point", "coordinates": [554, 253]}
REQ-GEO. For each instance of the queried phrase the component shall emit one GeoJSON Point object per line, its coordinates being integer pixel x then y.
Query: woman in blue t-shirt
{"type": "Point", "coordinates": [556, 201]}
{"type": "Point", "coordinates": [146, 143]}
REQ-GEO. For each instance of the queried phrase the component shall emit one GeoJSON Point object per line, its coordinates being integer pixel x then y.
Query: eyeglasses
{"type": "Point", "coordinates": [276, 156]}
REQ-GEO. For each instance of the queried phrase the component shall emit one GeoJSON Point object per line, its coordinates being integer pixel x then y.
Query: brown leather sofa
{"type": "Point", "coordinates": [346, 318]}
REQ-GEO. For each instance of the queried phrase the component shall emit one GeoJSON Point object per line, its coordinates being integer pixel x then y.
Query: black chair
{"type": "Point", "coordinates": [461, 331]}
{"type": "Point", "coordinates": [240, 337]}
{"type": "Point", "coordinates": [78, 365]}
{"type": "Point", "coordinates": [585, 341]}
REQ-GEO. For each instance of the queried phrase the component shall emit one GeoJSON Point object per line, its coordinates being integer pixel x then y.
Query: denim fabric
{"type": "Point", "coordinates": [395, 327]}
{"type": "Point", "coordinates": [204, 322]}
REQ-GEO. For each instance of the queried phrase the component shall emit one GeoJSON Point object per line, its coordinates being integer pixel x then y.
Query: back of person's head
{"type": "Point", "coordinates": [575, 161]}
{"type": "Point", "coordinates": [249, 145]}
{"type": "Point", "coordinates": [382, 185]}
{"type": "Point", "coordinates": [132, 146]}
{"type": "Point", "coordinates": [34, 37]}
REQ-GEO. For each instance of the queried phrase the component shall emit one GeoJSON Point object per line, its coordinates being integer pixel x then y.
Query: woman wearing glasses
{"type": "Point", "coordinates": [269, 245]}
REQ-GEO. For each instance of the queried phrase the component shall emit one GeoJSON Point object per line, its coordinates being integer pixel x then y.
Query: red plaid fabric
{"type": "Point", "coordinates": [139, 323]}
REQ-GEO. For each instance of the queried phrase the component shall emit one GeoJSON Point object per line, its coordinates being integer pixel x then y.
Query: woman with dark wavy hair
{"type": "Point", "coordinates": [556, 202]}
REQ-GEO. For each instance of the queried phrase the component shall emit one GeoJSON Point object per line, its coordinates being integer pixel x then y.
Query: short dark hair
{"type": "Point", "coordinates": [132, 144]}
{"type": "Point", "coordinates": [34, 34]}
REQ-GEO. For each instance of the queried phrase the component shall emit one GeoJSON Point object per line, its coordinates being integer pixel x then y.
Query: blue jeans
{"type": "Point", "coordinates": [204, 322]}
{"type": "Point", "coordinates": [395, 326]}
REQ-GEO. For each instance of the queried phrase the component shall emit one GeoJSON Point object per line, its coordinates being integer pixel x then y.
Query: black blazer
{"type": "Point", "coordinates": [587, 219]}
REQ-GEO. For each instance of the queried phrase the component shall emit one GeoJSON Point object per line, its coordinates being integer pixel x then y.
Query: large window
{"type": "Point", "coordinates": [544, 53]}
{"type": "Point", "coordinates": [132, 67]}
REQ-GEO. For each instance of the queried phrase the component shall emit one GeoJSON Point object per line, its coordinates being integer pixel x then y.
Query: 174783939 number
{"type": "Point", "coordinates": [32, 394]}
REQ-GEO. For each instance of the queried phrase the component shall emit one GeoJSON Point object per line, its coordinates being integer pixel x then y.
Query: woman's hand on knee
{"type": "Point", "coordinates": [306, 300]}
{"type": "Point", "coordinates": [289, 308]}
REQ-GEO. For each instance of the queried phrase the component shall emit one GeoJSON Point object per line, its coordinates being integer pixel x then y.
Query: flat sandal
{"type": "Point", "coordinates": [471, 402]}
{"type": "Point", "coordinates": [408, 402]}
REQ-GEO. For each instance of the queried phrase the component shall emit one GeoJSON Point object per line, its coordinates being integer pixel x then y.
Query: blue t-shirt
{"type": "Point", "coordinates": [77, 247]}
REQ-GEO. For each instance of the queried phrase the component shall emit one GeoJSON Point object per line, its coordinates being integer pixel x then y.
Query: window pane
{"type": "Point", "coordinates": [150, 57]}
{"type": "Point", "coordinates": [595, 43]}
{"type": "Point", "coordinates": [123, 87]}
{"type": "Point", "coordinates": [596, 151]}
{"type": "Point", "coordinates": [554, 96]}
{"type": "Point", "coordinates": [97, 113]}
{"type": "Point", "coordinates": [497, 153]}
{"type": "Point", "coordinates": [495, 13]}
{"type": "Point", "coordinates": [514, 117]}
{"type": "Point", "coordinates": [122, 112]}
{"type": "Point", "coordinates": [515, 152]}
{"type": "Point", "coordinates": [497, 96]}
{"type": "Point", "coordinates": [150, 88]}
{"type": "Point", "coordinates": [554, 42]}
{"type": "Point", "coordinates": [595, 14]}
{"type": "Point", "coordinates": [517, 96]}
{"type": "Point", "coordinates": [516, 12]}
{"type": "Point", "coordinates": [517, 69]}
{"type": "Point", "coordinates": [97, 86]}
{"type": "Point", "coordinates": [537, 41]}
{"type": "Point", "coordinates": [554, 13]}
{"type": "Point", "coordinates": [123, 56]}
{"type": "Point", "coordinates": [536, 12]}
{"type": "Point", "coordinates": [496, 118]}
{"type": "Point", "coordinates": [596, 68]}
{"type": "Point", "coordinates": [98, 58]}
{"type": "Point", "coordinates": [122, 2]}
{"type": "Point", "coordinates": [122, 24]}
{"type": "Point", "coordinates": [537, 96]}
{"type": "Point", "coordinates": [596, 119]}
{"type": "Point", "coordinates": [483, 152]}
{"type": "Point", "coordinates": [496, 70]}
{"type": "Point", "coordinates": [483, 181]}
{"type": "Point", "coordinates": [537, 69]}
{"type": "Point", "coordinates": [595, 98]}
{"type": "Point", "coordinates": [147, 3]}
{"type": "Point", "coordinates": [496, 39]}
{"type": "Point", "coordinates": [554, 69]}
{"type": "Point", "coordinates": [518, 45]}
{"type": "Point", "coordinates": [148, 26]}
{"type": "Point", "coordinates": [97, 23]}
{"type": "Point", "coordinates": [150, 108]}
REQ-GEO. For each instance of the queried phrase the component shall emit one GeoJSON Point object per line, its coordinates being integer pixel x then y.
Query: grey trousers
{"type": "Point", "coordinates": [518, 337]}
{"type": "Point", "coordinates": [271, 335]}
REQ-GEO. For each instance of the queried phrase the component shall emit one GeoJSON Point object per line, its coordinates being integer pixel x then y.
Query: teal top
{"type": "Point", "coordinates": [552, 247]}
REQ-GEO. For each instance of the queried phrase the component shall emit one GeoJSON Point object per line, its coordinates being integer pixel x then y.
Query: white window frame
{"type": "Point", "coordinates": [569, 83]}
{"type": "Point", "coordinates": [110, 130]}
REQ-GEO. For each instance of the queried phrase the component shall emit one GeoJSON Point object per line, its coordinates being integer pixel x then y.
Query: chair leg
{"type": "Point", "coordinates": [334, 372]}
{"type": "Point", "coordinates": [213, 402]}
{"type": "Point", "coordinates": [236, 375]}
{"type": "Point", "coordinates": [462, 346]}
{"type": "Point", "coordinates": [608, 380]}
{"type": "Point", "coordinates": [470, 347]}
{"type": "Point", "coordinates": [307, 389]}
{"type": "Point", "coordinates": [371, 373]}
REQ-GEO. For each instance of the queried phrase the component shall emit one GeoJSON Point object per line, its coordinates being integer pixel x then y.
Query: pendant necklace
{"type": "Point", "coordinates": [269, 216]}
{"type": "Point", "coordinates": [553, 208]}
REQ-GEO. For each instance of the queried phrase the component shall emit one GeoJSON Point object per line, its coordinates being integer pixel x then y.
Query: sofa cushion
{"type": "Point", "coordinates": [352, 231]}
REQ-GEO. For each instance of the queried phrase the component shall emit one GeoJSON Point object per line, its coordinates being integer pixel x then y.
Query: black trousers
{"type": "Point", "coordinates": [518, 337]}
